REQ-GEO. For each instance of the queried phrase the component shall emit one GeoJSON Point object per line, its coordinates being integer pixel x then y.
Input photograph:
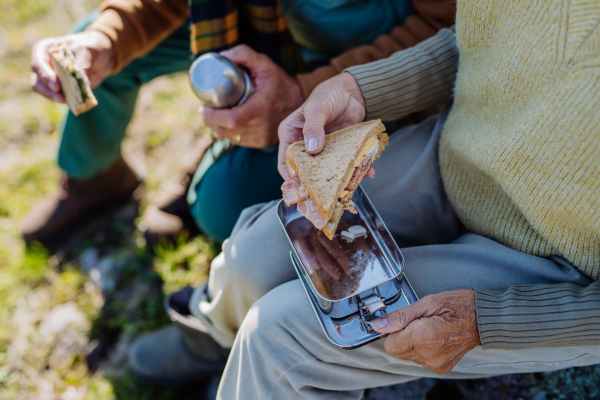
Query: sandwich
{"type": "Point", "coordinates": [323, 184]}
{"type": "Point", "coordinates": [74, 82]}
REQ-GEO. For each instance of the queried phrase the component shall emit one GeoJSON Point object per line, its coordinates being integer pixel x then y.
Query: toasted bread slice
{"type": "Point", "coordinates": [75, 84]}
{"type": "Point", "coordinates": [326, 175]}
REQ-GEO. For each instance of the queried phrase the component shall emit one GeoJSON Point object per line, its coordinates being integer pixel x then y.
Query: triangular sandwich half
{"type": "Point", "coordinates": [74, 82]}
{"type": "Point", "coordinates": [323, 184]}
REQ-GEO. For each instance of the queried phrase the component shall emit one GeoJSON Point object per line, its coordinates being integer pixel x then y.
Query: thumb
{"type": "Point", "coordinates": [316, 115]}
{"type": "Point", "coordinates": [42, 67]}
{"type": "Point", "coordinates": [83, 59]}
{"type": "Point", "coordinates": [399, 319]}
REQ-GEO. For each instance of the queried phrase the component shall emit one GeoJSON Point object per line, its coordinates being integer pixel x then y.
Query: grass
{"type": "Point", "coordinates": [62, 333]}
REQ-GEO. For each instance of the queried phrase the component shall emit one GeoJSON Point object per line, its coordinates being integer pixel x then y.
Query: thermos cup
{"type": "Point", "coordinates": [219, 82]}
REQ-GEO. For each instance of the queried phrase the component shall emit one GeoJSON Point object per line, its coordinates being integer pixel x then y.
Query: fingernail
{"type": "Point", "coordinates": [312, 144]}
{"type": "Point", "coordinates": [380, 323]}
{"type": "Point", "coordinates": [227, 53]}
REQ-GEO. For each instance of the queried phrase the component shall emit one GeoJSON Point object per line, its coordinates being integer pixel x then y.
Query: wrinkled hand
{"type": "Point", "coordinates": [435, 332]}
{"type": "Point", "coordinates": [276, 95]}
{"type": "Point", "coordinates": [93, 53]}
{"type": "Point", "coordinates": [333, 105]}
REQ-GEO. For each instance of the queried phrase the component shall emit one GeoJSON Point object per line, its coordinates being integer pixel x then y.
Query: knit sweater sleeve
{"type": "Point", "coordinates": [410, 80]}
{"type": "Point", "coordinates": [137, 26]}
{"type": "Point", "coordinates": [543, 315]}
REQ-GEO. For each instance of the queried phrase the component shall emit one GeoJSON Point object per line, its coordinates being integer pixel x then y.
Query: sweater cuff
{"type": "Point", "coordinates": [111, 23]}
{"type": "Point", "coordinates": [545, 315]}
{"type": "Point", "coordinates": [135, 27]}
{"type": "Point", "coordinates": [411, 80]}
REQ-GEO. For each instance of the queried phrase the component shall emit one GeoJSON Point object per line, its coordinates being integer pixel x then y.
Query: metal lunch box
{"type": "Point", "coordinates": [373, 286]}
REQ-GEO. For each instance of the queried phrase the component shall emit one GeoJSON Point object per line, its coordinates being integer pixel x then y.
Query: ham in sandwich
{"type": "Point", "coordinates": [323, 184]}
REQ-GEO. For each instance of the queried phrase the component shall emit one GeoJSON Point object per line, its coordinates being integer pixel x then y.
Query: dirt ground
{"type": "Point", "coordinates": [68, 315]}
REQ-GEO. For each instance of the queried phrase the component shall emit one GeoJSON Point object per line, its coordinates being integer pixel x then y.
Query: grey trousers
{"type": "Point", "coordinates": [254, 302]}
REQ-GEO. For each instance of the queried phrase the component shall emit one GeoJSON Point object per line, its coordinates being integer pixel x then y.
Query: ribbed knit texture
{"type": "Point", "coordinates": [411, 80]}
{"type": "Point", "coordinates": [539, 315]}
{"type": "Point", "coordinates": [520, 152]}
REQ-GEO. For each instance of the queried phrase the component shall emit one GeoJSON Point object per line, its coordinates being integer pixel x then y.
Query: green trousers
{"type": "Point", "coordinates": [226, 182]}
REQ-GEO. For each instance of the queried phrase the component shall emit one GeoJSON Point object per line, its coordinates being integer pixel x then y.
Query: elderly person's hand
{"type": "Point", "coordinates": [435, 332]}
{"type": "Point", "coordinates": [333, 105]}
{"type": "Point", "coordinates": [92, 51]}
{"type": "Point", "coordinates": [276, 95]}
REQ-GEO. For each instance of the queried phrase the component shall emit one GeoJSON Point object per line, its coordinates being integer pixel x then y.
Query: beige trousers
{"type": "Point", "coordinates": [254, 302]}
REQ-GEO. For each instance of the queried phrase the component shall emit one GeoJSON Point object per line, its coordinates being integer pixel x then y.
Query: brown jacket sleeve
{"type": "Point", "coordinates": [137, 26]}
{"type": "Point", "coordinates": [430, 16]}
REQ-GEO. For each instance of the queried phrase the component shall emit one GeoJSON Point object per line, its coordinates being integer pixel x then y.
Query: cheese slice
{"type": "Point", "coordinates": [369, 148]}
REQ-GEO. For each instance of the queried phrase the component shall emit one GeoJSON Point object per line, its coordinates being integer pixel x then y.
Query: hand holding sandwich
{"type": "Point", "coordinates": [92, 51]}
{"type": "Point", "coordinates": [334, 104]}
{"type": "Point", "coordinates": [321, 174]}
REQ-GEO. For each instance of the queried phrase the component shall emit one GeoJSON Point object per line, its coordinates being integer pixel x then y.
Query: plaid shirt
{"type": "Point", "coordinates": [220, 24]}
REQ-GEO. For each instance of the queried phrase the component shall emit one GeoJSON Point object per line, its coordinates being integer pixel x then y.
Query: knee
{"type": "Point", "coordinates": [257, 250]}
{"type": "Point", "coordinates": [269, 343]}
{"type": "Point", "coordinates": [282, 318]}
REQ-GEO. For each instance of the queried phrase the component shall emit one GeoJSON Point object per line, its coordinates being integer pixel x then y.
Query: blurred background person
{"type": "Point", "coordinates": [292, 46]}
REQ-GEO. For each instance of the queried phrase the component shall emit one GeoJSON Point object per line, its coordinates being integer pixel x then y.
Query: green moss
{"type": "Point", "coordinates": [185, 263]}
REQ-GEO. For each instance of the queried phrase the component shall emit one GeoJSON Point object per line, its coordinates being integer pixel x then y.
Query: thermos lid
{"type": "Point", "coordinates": [219, 82]}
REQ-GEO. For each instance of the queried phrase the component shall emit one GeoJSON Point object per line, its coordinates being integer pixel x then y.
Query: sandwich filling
{"type": "Point", "coordinates": [294, 192]}
{"type": "Point", "coordinates": [69, 64]}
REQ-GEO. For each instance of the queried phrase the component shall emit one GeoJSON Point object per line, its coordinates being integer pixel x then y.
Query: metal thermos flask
{"type": "Point", "coordinates": [219, 82]}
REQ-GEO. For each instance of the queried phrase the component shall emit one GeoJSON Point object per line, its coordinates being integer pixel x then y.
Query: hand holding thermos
{"type": "Point", "coordinates": [245, 94]}
{"type": "Point", "coordinates": [219, 82]}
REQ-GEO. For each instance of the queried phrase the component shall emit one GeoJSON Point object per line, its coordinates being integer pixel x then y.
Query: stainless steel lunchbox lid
{"type": "Point", "coordinates": [219, 82]}
{"type": "Point", "coordinates": [382, 286]}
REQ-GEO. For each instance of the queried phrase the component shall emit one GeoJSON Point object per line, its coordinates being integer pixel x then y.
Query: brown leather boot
{"type": "Point", "coordinates": [170, 215]}
{"type": "Point", "coordinates": [77, 199]}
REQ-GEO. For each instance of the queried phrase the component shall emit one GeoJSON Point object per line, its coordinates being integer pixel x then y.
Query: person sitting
{"type": "Point", "coordinates": [130, 42]}
{"type": "Point", "coordinates": [494, 203]}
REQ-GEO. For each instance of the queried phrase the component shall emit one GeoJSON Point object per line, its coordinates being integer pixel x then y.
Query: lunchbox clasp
{"type": "Point", "coordinates": [371, 307]}
{"type": "Point", "coordinates": [373, 304]}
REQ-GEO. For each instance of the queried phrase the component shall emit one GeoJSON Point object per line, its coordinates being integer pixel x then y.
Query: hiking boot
{"type": "Point", "coordinates": [170, 217]}
{"type": "Point", "coordinates": [179, 353]}
{"type": "Point", "coordinates": [77, 199]}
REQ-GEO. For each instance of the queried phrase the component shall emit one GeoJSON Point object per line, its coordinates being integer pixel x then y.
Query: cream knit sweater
{"type": "Point", "coordinates": [520, 152]}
